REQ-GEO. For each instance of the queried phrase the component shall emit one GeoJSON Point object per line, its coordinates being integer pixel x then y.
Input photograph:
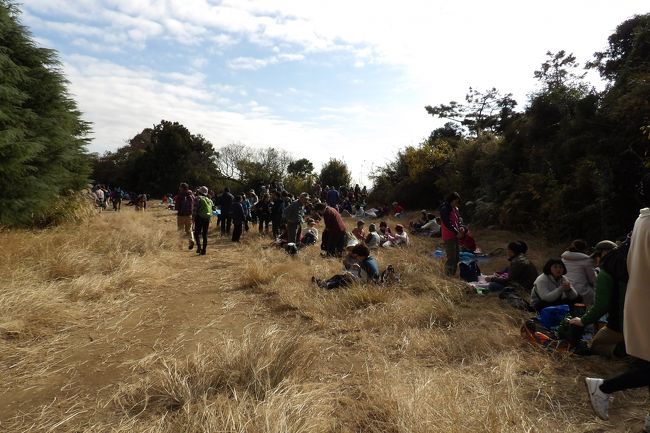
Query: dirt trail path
{"type": "Point", "coordinates": [175, 313]}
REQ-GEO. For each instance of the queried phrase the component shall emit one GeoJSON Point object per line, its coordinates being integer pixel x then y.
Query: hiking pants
{"type": "Point", "coordinates": [184, 223]}
{"type": "Point", "coordinates": [226, 221]}
{"type": "Point", "coordinates": [637, 377]}
{"type": "Point", "coordinates": [236, 231]}
{"type": "Point", "coordinates": [201, 233]}
{"type": "Point", "coordinates": [264, 224]}
{"type": "Point", "coordinates": [293, 231]}
{"type": "Point", "coordinates": [276, 225]}
{"type": "Point", "coordinates": [452, 251]}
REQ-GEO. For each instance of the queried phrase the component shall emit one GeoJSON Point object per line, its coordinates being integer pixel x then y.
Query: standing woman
{"type": "Point", "coordinates": [450, 231]}
{"type": "Point", "coordinates": [636, 323]}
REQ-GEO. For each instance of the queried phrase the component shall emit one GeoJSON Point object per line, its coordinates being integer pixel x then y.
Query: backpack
{"type": "Point", "coordinates": [205, 207]}
{"type": "Point", "coordinates": [469, 270]}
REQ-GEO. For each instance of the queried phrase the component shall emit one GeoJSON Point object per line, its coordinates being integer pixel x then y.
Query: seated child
{"type": "Point", "coordinates": [400, 238]}
{"type": "Point", "coordinates": [422, 220]}
{"type": "Point", "coordinates": [384, 232]}
{"type": "Point", "coordinates": [310, 236]}
{"type": "Point", "coordinates": [373, 240]}
{"type": "Point", "coordinates": [359, 232]}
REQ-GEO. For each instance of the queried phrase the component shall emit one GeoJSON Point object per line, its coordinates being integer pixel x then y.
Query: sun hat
{"type": "Point", "coordinates": [202, 190]}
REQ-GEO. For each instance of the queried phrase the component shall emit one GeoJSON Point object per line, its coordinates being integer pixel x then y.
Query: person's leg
{"type": "Point", "coordinates": [637, 377]}
{"type": "Point", "coordinates": [197, 236]}
{"type": "Point", "coordinates": [236, 232]}
{"type": "Point", "coordinates": [292, 231]}
{"type": "Point", "coordinates": [495, 287]}
{"type": "Point", "coordinates": [607, 342]}
{"type": "Point", "coordinates": [228, 224]}
{"type": "Point", "coordinates": [260, 225]}
{"type": "Point", "coordinates": [223, 225]}
{"type": "Point", "coordinates": [206, 225]}
{"type": "Point", "coordinates": [451, 251]}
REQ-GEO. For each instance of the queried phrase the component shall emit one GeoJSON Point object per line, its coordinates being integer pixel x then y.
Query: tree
{"type": "Point", "coordinates": [300, 168]}
{"type": "Point", "coordinates": [157, 159]}
{"type": "Point", "coordinates": [42, 135]}
{"type": "Point", "coordinates": [558, 71]}
{"type": "Point", "coordinates": [483, 111]}
{"type": "Point", "coordinates": [335, 173]}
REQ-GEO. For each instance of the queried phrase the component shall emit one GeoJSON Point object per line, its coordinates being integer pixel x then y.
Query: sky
{"type": "Point", "coordinates": [345, 79]}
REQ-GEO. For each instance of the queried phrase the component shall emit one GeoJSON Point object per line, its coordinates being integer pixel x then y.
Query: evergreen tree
{"type": "Point", "coordinates": [42, 136]}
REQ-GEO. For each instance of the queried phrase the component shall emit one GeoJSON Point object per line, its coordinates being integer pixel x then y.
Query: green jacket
{"type": "Point", "coordinates": [610, 299]}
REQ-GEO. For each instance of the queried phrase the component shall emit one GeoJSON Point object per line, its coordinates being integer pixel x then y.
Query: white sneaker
{"type": "Point", "coordinates": [646, 428]}
{"type": "Point", "coordinates": [599, 400]}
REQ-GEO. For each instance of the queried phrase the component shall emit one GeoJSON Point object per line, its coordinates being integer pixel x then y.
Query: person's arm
{"type": "Point", "coordinates": [591, 275]}
{"type": "Point", "coordinates": [604, 285]}
{"type": "Point", "coordinates": [569, 293]}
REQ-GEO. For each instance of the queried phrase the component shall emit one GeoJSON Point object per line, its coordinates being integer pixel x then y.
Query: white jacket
{"type": "Point", "coordinates": [580, 272]}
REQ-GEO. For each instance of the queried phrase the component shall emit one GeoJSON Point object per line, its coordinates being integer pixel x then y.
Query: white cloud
{"type": "Point", "coordinates": [254, 63]}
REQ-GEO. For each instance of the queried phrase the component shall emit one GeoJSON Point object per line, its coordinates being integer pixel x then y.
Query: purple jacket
{"type": "Point", "coordinates": [185, 203]}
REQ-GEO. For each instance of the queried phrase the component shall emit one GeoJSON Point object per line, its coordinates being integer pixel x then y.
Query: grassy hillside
{"type": "Point", "coordinates": [113, 325]}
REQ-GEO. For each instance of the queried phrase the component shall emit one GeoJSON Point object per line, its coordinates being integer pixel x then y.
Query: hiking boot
{"type": "Point", "coordinates": [203, 252]}
{"type": "Point", "coordinates": [599, 400]}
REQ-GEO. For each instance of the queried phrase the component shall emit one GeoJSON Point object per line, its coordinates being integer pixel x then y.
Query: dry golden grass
{"type": "Point", "coordinates": [244, 342]}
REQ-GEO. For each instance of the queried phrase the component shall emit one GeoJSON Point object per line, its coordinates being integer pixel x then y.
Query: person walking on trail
{"type": "Point", "coordinates": [202, 215]}
{"type": "Point", "coordinates": [184, 205]}
{"type": "Point", "coordinates": [238, 218]}
{"type": "Point", "coordinates": [636, 323]}
{"type": "Point", "coordinates": [225, 202]}
{"type": "Point", "coordinates": [294, 214]}
{"type": "Point", "coordinates": [333, 236]}
{"type": "Point", "coordinates": [450, 229]}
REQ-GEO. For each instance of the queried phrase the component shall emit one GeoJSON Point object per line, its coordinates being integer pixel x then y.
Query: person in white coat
{"type": "Point", "coordinates": [636, 324]}
{"type": "Point", "coordinates": [580, 270]}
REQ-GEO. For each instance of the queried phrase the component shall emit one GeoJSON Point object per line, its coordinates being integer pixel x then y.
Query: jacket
{"type": "Point", "coordinates": [637, 301]}
{"type": "Point", "coordinates": [580, 271]}
{"type": "Point", "coordinates": [548, 289]}
{"type": "Point", "coordinates": [237, 212]}
{"type": "Point", "coordinates": [184, 204]}
{"type": "Point", "coordinates": [610, 300]}
{"type": "Point", "coordinates": [450, 221]}
{"type": "Point", "coordinates": [522, 273]}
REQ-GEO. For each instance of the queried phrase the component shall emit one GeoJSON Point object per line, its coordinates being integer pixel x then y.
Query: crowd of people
{"type": "Point", "coordinates": [604, 286]}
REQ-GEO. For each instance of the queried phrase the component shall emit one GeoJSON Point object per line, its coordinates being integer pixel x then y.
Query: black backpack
{"type": "Point", "coordinates": [469, 270]}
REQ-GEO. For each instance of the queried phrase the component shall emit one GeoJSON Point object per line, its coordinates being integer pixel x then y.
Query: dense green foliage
{"type": "Point", "coordinates": [157, 159]}
{"type": "Point", "coordinates": [574, 163]}
{"type": "Point", "coordinates": [42, 136]}
{"type": "Point", "coordinates": [335, 173]}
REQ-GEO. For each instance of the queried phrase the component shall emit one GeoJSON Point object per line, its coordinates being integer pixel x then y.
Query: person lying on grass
{"type": "Point", "coordinates": [366, 270]}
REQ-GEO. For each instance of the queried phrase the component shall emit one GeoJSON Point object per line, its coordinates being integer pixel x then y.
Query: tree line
{"type": "Point", "coordinates": [573, 163]}
{"type": "Point", "coordinates": [158, 158]}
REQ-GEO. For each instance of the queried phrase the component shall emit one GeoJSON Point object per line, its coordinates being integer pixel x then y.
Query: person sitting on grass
{"type": "Point", "coordinates": [384, 232]}
{"type": "Point", "coordinates": [521, 274]}
{"type": "Point", "coordinates": [359, 232]}
{"type": "Point", "coordinates": [580, 270]}
{"type": "Point", "coordinates": [399, 239]}
{"type": "Point", "coordinates": [348, 259]}
{"type": "Point", "coordinates": [552, 287]}
{"type": "Point", "coordinates": [365, 270]}
{"type": "Point", "coordinates": [372, 240]}
{"type": "Point", "coordinates": [416, 225]}
{"type": "Point", "coordinates": [611, 285]}
{"type": "Point", "coordinates": [311, 234]}
{"type": "Point", "coordinates": [431, 227]}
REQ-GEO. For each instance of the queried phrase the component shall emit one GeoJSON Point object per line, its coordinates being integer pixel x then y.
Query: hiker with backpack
{"type": "Point", "coordinates": [611, 285]}
{"type": "Point", "coordinates": [184, 205]}
{"type": "Point", "coordinates": [202, 215]}
{"type": "Point", "coordinates": [552, 287]}
{"type": "Point", "coordinates": [636, 323]}
{"type": "Point", "coordinates": [450, 229]}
